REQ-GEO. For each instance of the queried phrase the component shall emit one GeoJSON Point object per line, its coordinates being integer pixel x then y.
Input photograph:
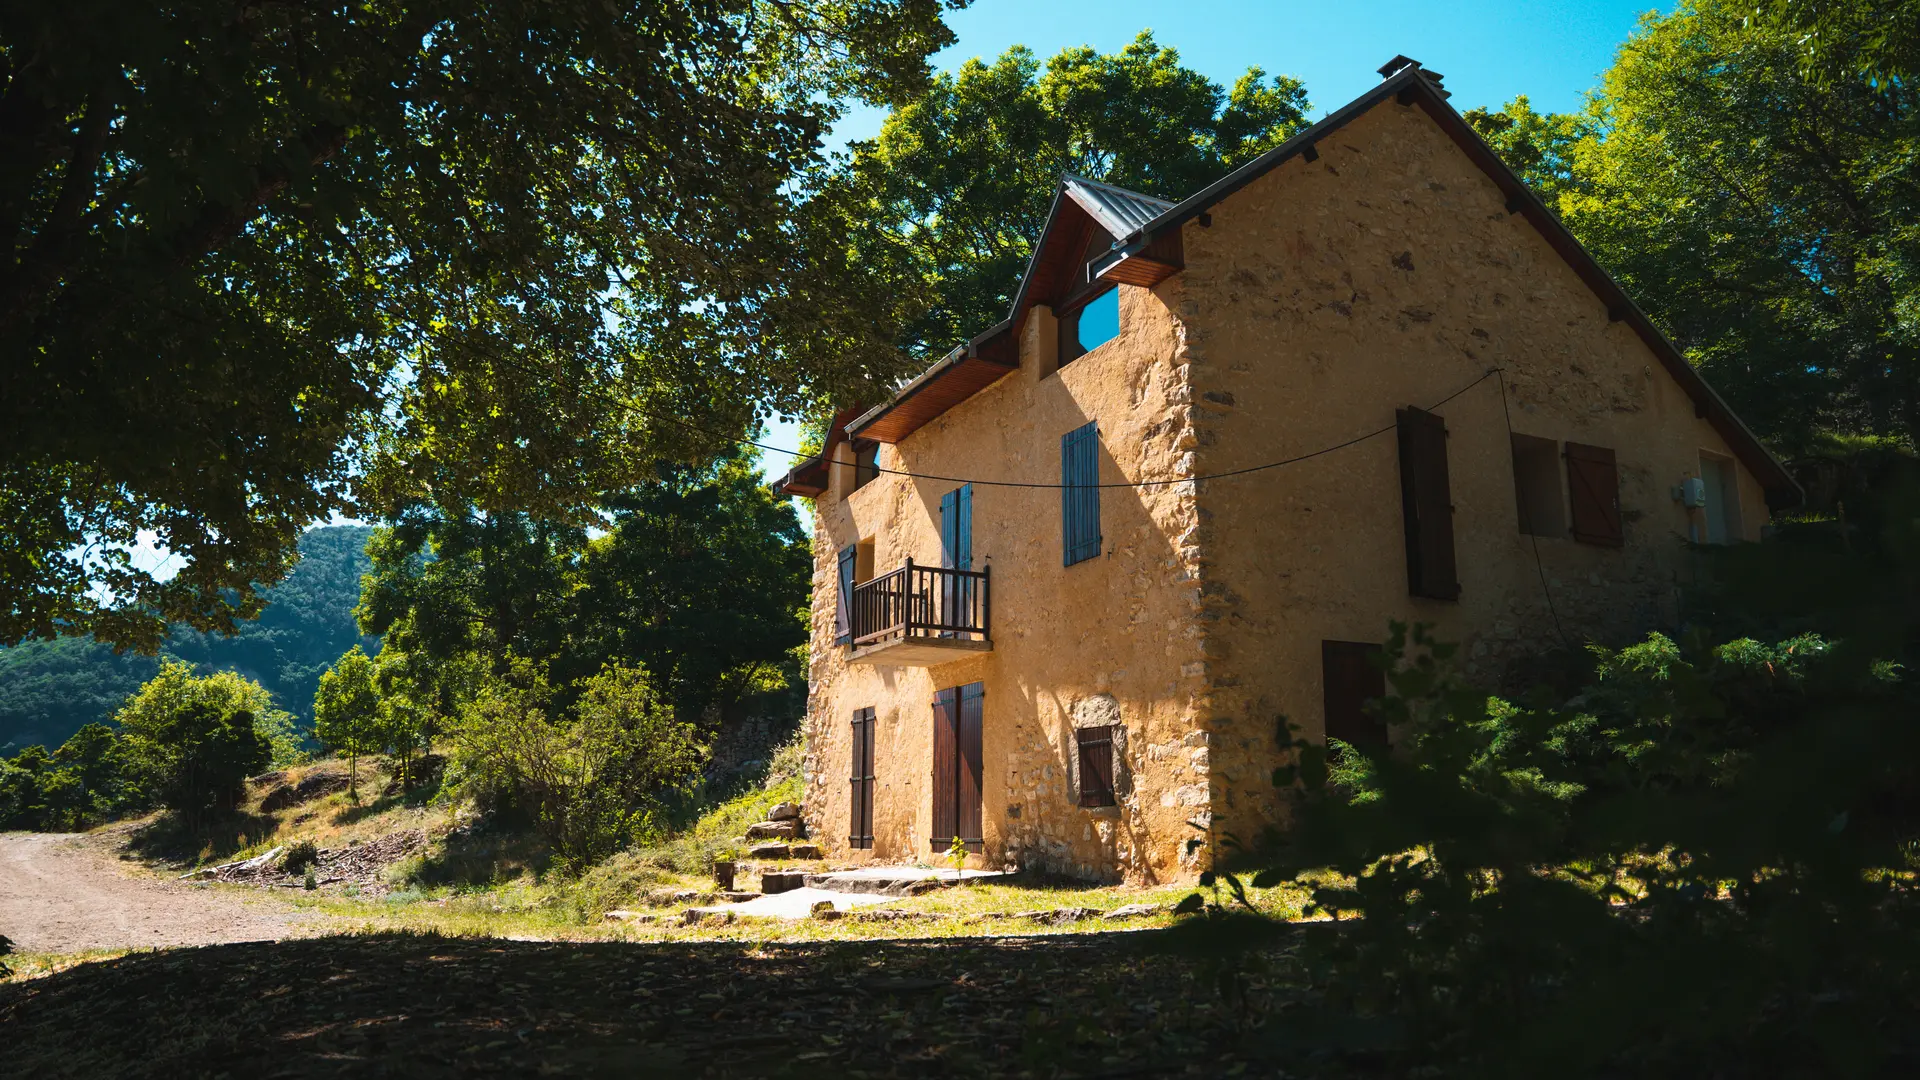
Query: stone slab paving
{"type": "Point", "coordinates": [797, 903]}
{"type": "Point", "coordinates": [894, 880]}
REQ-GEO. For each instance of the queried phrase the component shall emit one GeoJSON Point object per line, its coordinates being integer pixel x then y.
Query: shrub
{"type": "Point", "coordinates": [300, 855]}
{"type": "Point", "coordinates": [594, 778]}
{"type": "Point", "coordinates": [191, 742]}
{"type": "Point", "coordinates": [1697, 863]}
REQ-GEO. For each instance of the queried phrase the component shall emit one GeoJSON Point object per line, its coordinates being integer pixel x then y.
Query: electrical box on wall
{"type": "Point", "coordinates": [1691, 492]}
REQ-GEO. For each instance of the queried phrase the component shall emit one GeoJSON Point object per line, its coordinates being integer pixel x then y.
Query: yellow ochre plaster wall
{"type": "Point", "coordinates": [1325, 296]}
{"type": "Point", "coordinates": [1112, 635]}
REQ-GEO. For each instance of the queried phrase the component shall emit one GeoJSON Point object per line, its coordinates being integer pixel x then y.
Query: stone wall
{"type": "Point", "coordinates": [1325, 296]}
{"type": "Point", "coordinates": [1118, 626]}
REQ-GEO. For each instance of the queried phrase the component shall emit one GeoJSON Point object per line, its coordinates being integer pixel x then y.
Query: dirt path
{"type": "Point", "coordinates": [63, 892]}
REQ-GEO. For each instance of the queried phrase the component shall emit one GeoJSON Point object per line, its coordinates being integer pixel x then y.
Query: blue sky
{"type": "Point", "coordinates": [1490, 51]}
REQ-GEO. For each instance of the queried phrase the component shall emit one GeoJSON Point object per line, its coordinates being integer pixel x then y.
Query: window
{"type": "Point", "coordinates": [1350, 677]}
{"type": "Point", "coordinates": [1080, 493]}
{"type": "Point", "coordinates": [957, 781]}
{"type": "Point", "coordinates": [1593, 481]}
{"type": "Point", "coordinates": [843, 615]}
{"type": "Point", "coordinates": [1096, 765]}
{"type": "Point", "coordinates": [1089, 326]}
{"type": "Point", "coordinates": [1426, 504]}
{"type": "Point", "coordinates": [1536, 486]}
{"type": "Point", "coordinates": [866, 464]}
{"type": "Point", "coordinates": [860, 816]}
{"type": "Point", "coordinates": [1722, 509]}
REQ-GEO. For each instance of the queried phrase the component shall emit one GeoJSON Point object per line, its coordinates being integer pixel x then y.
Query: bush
{"type": "Point", "coordinates": [1698, 863]}
{"type": "Point", "coordinates": [300, 855]}
{"type": "Point", "coordinates": [595, 777]}
{"type": "Point", "coordinates": [191, 742]}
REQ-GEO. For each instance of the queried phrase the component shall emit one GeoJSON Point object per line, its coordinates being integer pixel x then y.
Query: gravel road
{"type": "Point", "coordinates": [63, 892]}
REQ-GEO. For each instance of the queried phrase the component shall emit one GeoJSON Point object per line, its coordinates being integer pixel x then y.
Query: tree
{"type": "Point", "coordinates": [701, 577]}
{"type": "Point", "coordinates": [347, 712]}
{"type": "Point", "coordinates": [191, 742]}
{"type": "Point", "coordinates": [263, 261]}
{"type": "Point", "coordinates": [957, 185]}
{"type": "Point", "coordinates": [703, 580]}
{"type": "Point", "coordinates": [1761, 211]}
{"type": "Point", "coordinates": [594, 777]}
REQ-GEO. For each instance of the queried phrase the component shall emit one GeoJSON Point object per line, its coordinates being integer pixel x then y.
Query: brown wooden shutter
{"type": "Point", "coordinates": [969, 789]}
{"type": "Point", "coordinates": [1594, 482]}
{"type": "Point", "coordinates": [1350, 679]}
{"type": "Point", "coordinates": [946, 722]}
{"type": "Point", "coordinates": [860, 818]}
{"type": "Point", "coordinates": [1096, 766]}
{"type": "Point", "coordinates": [1426, 503]}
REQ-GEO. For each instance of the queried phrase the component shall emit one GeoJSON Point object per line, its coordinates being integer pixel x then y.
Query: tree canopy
{"type": "Point", "coordinates": [955, 189]}
{"type": "Point", "coordinates": [259, 262]}
{"type": "Point", "coordinates": [1761, 208]}
{"type": "Point", "coordinates": [701, 576]}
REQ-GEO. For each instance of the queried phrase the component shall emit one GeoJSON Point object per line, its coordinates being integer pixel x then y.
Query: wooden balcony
{"type": "Point", "coordinates": [921, 616]}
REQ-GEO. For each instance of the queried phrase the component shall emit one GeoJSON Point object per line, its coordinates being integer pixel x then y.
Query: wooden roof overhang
{"type": "Point", "coordinates": [957, 376]}
{"type": "Point", "coordinates": [1084, 214]}
{"type": "Point", "coordinates": [808, 478]}
{"type": "Point", "coordinates": [1410, 85]}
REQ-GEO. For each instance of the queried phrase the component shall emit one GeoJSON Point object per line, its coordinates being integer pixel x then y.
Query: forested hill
{"type": "Point", "coordinates": [48, 689]}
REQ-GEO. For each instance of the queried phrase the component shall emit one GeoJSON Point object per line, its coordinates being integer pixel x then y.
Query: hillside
{"type": "Point", "coordinates": [48, 689]}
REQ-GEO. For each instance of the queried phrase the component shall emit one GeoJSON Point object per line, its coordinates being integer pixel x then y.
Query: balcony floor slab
{"type": "Point", "coordinates": [918, 651]}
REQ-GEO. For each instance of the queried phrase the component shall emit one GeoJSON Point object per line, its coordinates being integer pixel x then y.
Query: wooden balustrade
{"type": "Point", "coordinates": [924, 603]}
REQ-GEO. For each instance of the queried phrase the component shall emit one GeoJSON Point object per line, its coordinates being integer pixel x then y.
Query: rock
{"type": "Point", "coordinates": [785, 811]}
{"type": "Point", "coordinates": [782, 881]}
{"type": "Point", "coordinates": [891, 916]}
{"type": "Point", "coordinates": [734, 896]}
{"type": "Point", "coordinates": [984, 916]}
{"type": "Point", "coordinates": [768, 851]}
{"type": "Point", "coordinates": [771, 830]}
{"type": "Point", "coordinates": [921, 888]}
{"type": "Point", "coordinates": [1074, 914]}
{"type": "Point", "coordinates": [824, 909]}
{"type": "Point", "coordinates": [1133, 911]}
{"type": "Point", "coordinates": [805, 851]}
{"type": "Point", "coordinates": [631, 916]}
{"type": "Point", "coordinates": [695, 917]}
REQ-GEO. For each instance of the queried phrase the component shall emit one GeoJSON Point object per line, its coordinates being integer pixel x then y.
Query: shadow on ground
{"type": "Point", "coordinates": [427, 1006]}
{"type": "Point", "coordinates": [179, 840]}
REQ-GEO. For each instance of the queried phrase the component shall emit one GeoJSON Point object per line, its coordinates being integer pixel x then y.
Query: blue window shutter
{"type": "Point", "coordinates": [1080, 494]}
{"type": "Point", "coordinates": [963, 530]}
{"type": "Point", "coordinates": [843, 618]}
{"type": "Point", "coordinates": [949, 523]}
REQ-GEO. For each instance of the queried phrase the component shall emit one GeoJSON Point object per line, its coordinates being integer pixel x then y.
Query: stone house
{"type": "Point", "coordinates": [1070, 578]}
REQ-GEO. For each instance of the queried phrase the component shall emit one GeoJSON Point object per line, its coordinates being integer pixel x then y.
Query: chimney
{"type": "Point", "coordinates": [1401, 63]}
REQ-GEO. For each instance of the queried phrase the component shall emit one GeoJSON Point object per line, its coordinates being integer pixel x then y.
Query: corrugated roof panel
{"type": "Point", "coordinates": [1119, 211]}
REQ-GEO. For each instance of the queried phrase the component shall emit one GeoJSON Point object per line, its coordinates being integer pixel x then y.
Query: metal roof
{"type": "Point", "coordinates": [1119, 211]}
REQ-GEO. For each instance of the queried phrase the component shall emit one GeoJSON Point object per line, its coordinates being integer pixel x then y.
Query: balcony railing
{"type": "Point", "coordinates": [916, 614]}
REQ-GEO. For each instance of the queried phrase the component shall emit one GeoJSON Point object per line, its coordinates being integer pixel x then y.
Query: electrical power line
{"type": "Point", "coordinates": [691, 426]}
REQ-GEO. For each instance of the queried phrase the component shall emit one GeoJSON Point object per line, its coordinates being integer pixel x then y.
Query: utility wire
{"type": "Point", "coordinates": [1490, 373]}
{"type": "Point", "coordinates": [1538, 566]}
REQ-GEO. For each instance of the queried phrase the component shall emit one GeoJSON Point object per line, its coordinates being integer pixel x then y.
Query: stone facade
{"type": "Point", "coordinates": [1315, 301]}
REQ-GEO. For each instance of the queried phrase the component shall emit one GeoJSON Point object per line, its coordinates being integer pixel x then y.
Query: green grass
{"type": "Point", "coordinates": [36, 965]}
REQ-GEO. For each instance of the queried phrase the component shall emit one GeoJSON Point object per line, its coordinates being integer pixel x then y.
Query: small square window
{"type": "Point", "coordinates": [1089, 326]}
{"type": "Point", "coordinates": [866, 464]}
{"type": "Point", "coordinates": [1096, 765]}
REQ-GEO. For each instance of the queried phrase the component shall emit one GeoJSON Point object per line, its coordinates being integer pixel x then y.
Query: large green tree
{"type": "Point", "coordinates": [701, 576]}
{"type": "Point", "coordinates": [261, 259]}
{"type": "Point", "coordinates": [1762, 208]}
{"type": "Point", "coordinates": [955, 189]}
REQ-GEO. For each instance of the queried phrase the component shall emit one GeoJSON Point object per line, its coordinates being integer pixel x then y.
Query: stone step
{"type": "Point", "coordinates": [780, 881]}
